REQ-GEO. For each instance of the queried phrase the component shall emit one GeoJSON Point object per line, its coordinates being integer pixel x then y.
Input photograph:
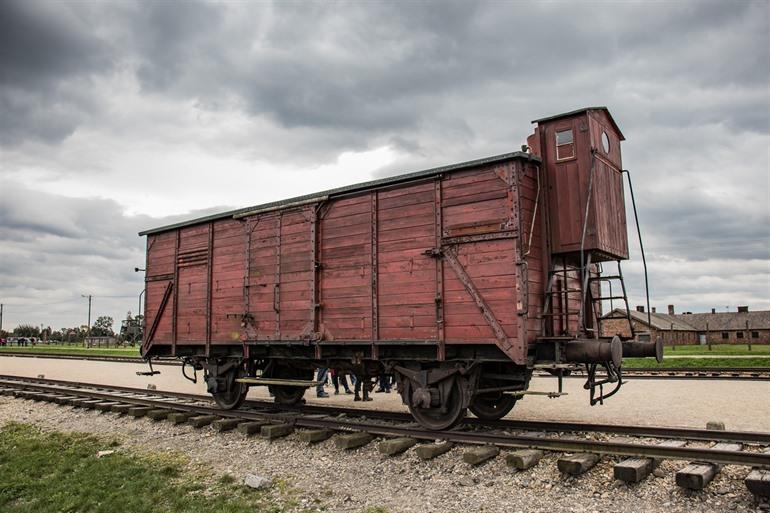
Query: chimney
{"type": "Point", "coordinates": [713, 310]}
{"type": "Point", "coordinates": [640, 309]}
{"type": "Point", "coordinates": [670, 309]}
{"type": "Point", "coordinates": [653, 309]}
{"type": "Point", "coordinates": [743, 309]}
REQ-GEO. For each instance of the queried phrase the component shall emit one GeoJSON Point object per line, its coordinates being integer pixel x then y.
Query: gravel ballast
{"type": "Point", "coordinates": [327, 478]}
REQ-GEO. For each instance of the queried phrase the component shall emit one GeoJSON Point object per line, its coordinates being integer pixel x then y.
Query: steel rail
{"type": "Point", "coordinates": [267, 407]}
{"type": "Point", "coordinates": [533, 441]}
{"type": "Point", "coordinates": [670, 373]}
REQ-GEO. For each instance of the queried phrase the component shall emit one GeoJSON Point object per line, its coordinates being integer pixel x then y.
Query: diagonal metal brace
{"type": "Point", "coordinates": [502, 339]}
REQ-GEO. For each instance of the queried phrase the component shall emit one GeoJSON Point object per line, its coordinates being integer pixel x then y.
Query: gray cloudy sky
{"type": "Point", "coordinates": [120, 116]}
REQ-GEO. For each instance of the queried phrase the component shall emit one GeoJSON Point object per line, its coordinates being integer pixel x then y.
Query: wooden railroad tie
{"type": "Point", "coordinates": [180, 417]}
{"type": "Point", "coordinates": [139, 411]}
{"type": "Point", "coordinates": [577, 463]}
{"type": "Point", "coordinates": [696, 475]}
{"type": "Point", "coordinates": [273, 431]}
{"type": "Point", "coordinates": [250, 428]}
{"type": "Point", "coordinates": [633, 470]}
{"type": "Point", "coordinates": [104, 405]}
{"type": "Point", "coordinates": [523, 459]}
{"type": "Point", "coordinates": [89, 403]}
{"type": "Point", "coordinates": [223, 425]}
{"type": "Point", "coordinates": [395, 446]}
{"type": "Point", "coordinates": [478, 455]}
{"type": "Point", "coordinates": [313, 436]}
{"type": "Point", "coordinates": [758, 480]}
{"type": "Point", "coordinates": [120, 408]}
{"type": "Point", "coordinates": [159, 413]}
{"type": "Point", "coordinates": [430, 451]}
{"type": "Point", "coordinates": [353, 440]}
{"type": "Point", "coordinates": [201, 420]}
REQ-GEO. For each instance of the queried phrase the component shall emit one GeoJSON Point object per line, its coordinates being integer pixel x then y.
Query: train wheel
{"type": "Point", "coordinates": [492, 406]}
{"type": "Point", "coordinates": [285, 394]}
{"type": "Point", "coordinates": [235, 394]}
{"type": "Point", "coordinates": [437, 418]}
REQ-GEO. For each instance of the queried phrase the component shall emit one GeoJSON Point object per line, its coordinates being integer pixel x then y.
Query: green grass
{"type": "Point", "coordinates": [696, 363]}
{"type": "Point", "coordinates": [56, 472]}
{"type": "Point", "coordinates": [78, 350]}
{"type": "Point", "coordinates": [722, 349]}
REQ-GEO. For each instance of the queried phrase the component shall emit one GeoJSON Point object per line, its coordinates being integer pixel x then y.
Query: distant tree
{"type": "Point", "coordinates": [103, 327]}
{"type": "Point", "coordinates": [26, 330]}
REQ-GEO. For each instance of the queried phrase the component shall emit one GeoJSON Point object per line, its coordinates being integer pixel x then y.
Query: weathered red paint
{"type": "Point", "coordinates": [457, 257]}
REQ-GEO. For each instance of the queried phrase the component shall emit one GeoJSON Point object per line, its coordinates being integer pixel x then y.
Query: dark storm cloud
{"type": "Point", "coordinates": [688, 82]}
{"type": "Point", "coordinates": [42, 46]}
{"type": "Point", "coordinates": [56, 248]}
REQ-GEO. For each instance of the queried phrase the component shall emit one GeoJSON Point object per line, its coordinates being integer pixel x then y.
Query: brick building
{"type": "Point", "coordinates": [741, 327]}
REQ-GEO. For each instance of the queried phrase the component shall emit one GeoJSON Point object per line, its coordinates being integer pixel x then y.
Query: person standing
{"type": "Point", "coordinates": [338, 378]}
{"type": "Point", "coordinates": [319, 389]}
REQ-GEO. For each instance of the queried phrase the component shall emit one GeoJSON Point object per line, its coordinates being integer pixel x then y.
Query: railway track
{"type": "Point", "coordinates": [587, 442]}
{"type": "Point", "coordinates": [687, 373]}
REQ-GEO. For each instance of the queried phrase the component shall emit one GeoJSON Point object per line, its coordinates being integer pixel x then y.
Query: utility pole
{"type": "Point", "coordinates": [1, 317]}
{"type": "Point", "coordinates": [89, 313]}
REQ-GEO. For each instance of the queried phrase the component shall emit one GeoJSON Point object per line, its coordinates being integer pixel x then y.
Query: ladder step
{"type": "Point", "coordinates": [568, 312]}
{"type": "Point", "coordinates": [595, 299]}
{"type": "Point", "coordinates": [606, 278]}
{"type": "Point", "coordinates": [555, 292]}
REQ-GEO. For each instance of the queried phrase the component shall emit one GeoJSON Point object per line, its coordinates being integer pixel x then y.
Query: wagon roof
{"type": "Point", "coordinates": [392, 180]}
{"type": "Point", "coordinates": [579, 111]}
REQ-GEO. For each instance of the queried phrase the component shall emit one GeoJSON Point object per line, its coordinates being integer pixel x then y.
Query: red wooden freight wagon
{"type": "Point", "coordinates": [459, 280]}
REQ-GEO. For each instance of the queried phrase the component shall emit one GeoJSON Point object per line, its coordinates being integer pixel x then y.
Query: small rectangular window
{"type": "Point", "coordinates": [740, 334]}
{"type": "Point", "coordinates": [754, 334]}
{"type": "Point", "coordinates": [565, 144]}
{"type": "Point", "coordinates": [725, 335]}
{"type": "Point", "coordinates": [564, 137]}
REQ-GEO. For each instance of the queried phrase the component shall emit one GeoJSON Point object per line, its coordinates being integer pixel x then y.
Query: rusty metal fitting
{"type": "Point", "coordinates": [594, 351]}
{"type": "Point", "coordinates": [638, 349]}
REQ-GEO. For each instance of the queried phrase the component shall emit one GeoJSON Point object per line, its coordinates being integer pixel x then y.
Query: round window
{"type": "Point", "coordinates": [606, 142]}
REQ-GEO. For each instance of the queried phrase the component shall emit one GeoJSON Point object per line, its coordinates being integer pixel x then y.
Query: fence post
{"type": "Point", "coordinates": [708, 338]}
{"type": "Point", "coordinates": [748, 334]}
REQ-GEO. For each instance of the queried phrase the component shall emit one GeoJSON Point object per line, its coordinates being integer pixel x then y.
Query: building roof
{"type": "Point", "coordinates": [348, 189]}
{"type": "Point", "coordinates": [719, 321]}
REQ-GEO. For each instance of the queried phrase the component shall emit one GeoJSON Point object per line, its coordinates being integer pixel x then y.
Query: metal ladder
{"type": "Point", "coordinates": [609, 279]}
{"type": "Point", "coordinates": [560, 320]}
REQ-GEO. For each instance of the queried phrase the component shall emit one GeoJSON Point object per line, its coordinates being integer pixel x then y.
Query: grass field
{"type": "Point", "coordinates": [54, 472]}
{"type": "Point", "coordinates": [693, 357]}
{"type": "Point", "coordinates": [78, 350]}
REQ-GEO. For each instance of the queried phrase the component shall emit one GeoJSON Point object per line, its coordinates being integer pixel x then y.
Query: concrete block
{"type": "Point", "coordinates": [272, 431]}
{"type": "Point", "coordinates": [523, 459]}
{"type": "Point", "coordinates": [430, 451]}
{"type": "Point", "coordinates": [353, 440]}
{"type": "Point", "coordinates": [313, 436]}
{"type": "Point", "coordinates": [395, 446]}
{"type": "Point", "coordinates": [478, 455]}
{"type": "Point", "coordinates": [577, 463]}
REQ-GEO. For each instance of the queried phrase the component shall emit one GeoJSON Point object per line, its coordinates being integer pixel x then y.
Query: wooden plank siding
{"type": "Point", "coordinates": [366, 267]}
